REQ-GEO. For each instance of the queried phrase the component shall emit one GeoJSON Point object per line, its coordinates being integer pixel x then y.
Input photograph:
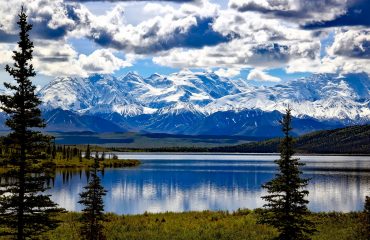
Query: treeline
{"type": "Point", "coordinates": [348, 140]}
{"type": "Point", "coordinates": [66, 152]}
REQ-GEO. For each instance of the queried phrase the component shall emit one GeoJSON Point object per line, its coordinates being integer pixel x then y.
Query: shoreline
{"type": "Point", "coordinates": [233, 153]}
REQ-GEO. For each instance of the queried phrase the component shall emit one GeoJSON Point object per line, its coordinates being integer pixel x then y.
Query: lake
{"type": "Point", "coordinates": [192, 182]}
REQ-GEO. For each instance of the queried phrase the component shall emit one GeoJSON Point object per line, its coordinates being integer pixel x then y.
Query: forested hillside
{"type": "Point", "coordinates": [355, 139]}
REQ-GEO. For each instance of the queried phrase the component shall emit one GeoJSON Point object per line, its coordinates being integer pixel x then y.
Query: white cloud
{"type": "Point", "coordinates": [6, 53]}
{"type": "Point", "coordinates": [166, 30]}
{"type": "Point", "coordinates": [299, 11]}
{"type": "Point", "coordinates": [239, 53]}
{"type": "Point", "coordinates": [259, 75]}
{"type": "Point", "coordinates": [49, 17]}
{"type": "Point", "coordinates": [328, 64]}
{"type": "Point", "coordinates": [53, 58]}
{"type": "Point", "coordinates": [349, 53]}
{"type": "Point", "coordinates": [227, 72]}
{"type": "Point", "coordinates": [256, 38]}
{"type": "Point", "coordinates": [101, 61]}
{"type": "Point", "coordinates": [351, 43]}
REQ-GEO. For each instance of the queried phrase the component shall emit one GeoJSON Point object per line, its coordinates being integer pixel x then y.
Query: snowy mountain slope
{"type": "Point", "coordinates": [323, 96]}
{"type": "Point", "coordinates": [62, 120]}
{"type": "Point", "coordinates": [204, 103]}
{"type": "Point", "coordinates": [68, 93]}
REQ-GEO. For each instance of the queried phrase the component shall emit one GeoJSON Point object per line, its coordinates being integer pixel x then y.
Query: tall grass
{"type": "Point", "coordinates": [207, 225]}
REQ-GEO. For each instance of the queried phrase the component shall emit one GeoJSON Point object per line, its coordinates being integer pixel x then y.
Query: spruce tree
{"type": "Point", "coordinates": [87, 153]}
{"type": "Point", "coordinates": [93, 213]}
{"type": "Point", "coordinates": [54, 152]}
{"type": "Point", "coordinates": [64, 153]}
{"type": "Point", "coordinates": [286, 207]}
{"type": "Point", "coordinates": [25, 211]}
{"type": "Point", "coordinates": [367, 217]}
{"type": "Point", "coordinates": [80, 155]}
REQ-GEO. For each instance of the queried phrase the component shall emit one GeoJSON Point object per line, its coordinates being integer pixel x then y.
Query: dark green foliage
{"type": "Point", "coordinates": [349, 140]}
{"type": "Point", "coordinates": [367, 216]}
{"type": "Point", "coordinates": [80, 156]}
{"type": "Point", "coordinates": [25, 211]}
{"type": "Point", "coordinates": [93, 213]}
{"type": "Point", "coordinates": [54, 151]}
{"type": "Point", "coordinates": [286, 207]}
{"type": "Point", "coordinates": [87, 153]}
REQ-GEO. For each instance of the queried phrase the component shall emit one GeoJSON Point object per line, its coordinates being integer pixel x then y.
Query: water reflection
{"type": "Point", "coordinates": [187, 184]}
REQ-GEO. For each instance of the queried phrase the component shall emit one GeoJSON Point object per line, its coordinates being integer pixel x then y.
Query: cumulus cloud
{"type": "Point", "coordinates": [351, 43]}
{"type": "Point", "coordinates": [259, 34]}
{"type": "Point", "coordinates": [188, 26]}
{"type": "Point", "coordinates": [259, 75]}
{"type": "Point", "coordinates": [239, 54]}
{"type": "Point", "coordinates": [356, 14]}
{"type": "Point", "coordinates": [227, 72]}
{"type": "Point", "coordinates": [60, 59]}
{"type": "Point", "coordinates": [176, 1]}
{"type": "Point", "coordinates": [6, 53]}
{"type": "Point", "coordinates": [49, 18]}
{"type": "Point", "coordinates": [330, 64]}
{"type": "Point", "coordinates": [259, 43]}
{"type": "Point", "coordinates": [310, 13]}
{"type": "Point", "coordinates": [301, 10]}
{"type": "Point", "coordinates": [348, 53]}
{"type": "Point", "coordinates": [101, 61]}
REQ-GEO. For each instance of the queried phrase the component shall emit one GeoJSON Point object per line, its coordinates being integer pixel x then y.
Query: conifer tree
{"type": "Point", "coordinates": [286, 207]}
{"type": "Point", "coordinates": [54, 152]}
{"type": "Point", "coordinates": [87, 153]}
{"type": "Point", "coordinates": [64, 154]}
{"type": "Point", "coordinates": [25, 211]}
{"type": "Point", "coordinates": [93, 213]}
{"type": "Point", "coordinates": [367, 217]}
{"type": "Point", "coordinates": [80, 155]}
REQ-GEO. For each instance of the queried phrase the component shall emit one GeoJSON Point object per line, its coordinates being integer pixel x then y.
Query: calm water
{"type": "Point", "coordinates": [167, 182]}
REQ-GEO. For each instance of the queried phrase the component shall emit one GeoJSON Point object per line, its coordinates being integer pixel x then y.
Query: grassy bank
{"type": "Point", "coordinates": [207, 225]}
{"type": "Point", "coordinates": [85, 163]}
{"type": "Point", "coordinates": [76, 162]}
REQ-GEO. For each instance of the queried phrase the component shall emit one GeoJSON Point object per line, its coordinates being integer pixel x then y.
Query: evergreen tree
{"type": "Point", "coordinates": [25, 212]}
{"type": "Point", "coordinates": [88, 154]}
{"type": "Point", "coordinates": [68, 152]}
{"type": "Point", "coordinates": [80, 155]}
{"type": "Point", "coordinates": [54, 152]}
{"type": "Point", "coordinates": [48, 150]}
{"type": "Point", "coordinates": [92, 199]}
{"type": "Point", "coordinates": [367, 216]}
{"type": "Point", "coordinates": [286, 207]}
{"type": "Point", "coordinates": [64, 154]}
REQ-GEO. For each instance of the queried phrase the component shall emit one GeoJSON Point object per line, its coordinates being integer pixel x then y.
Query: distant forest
{"type": "Point", "coordinates": [348, 140]}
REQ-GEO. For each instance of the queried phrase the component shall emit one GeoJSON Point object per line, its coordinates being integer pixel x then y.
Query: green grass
{"type": "Point", "coordinates": [207, 225]}
{"type": "Point", "coordinates": [85, 163]}
{"type": "Point", "coordinates": [75, 162]}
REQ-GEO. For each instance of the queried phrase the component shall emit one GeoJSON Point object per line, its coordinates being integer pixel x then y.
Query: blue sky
{"type": "Point", "coordinates": [260, 41]}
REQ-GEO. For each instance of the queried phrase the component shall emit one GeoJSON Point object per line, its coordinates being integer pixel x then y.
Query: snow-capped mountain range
{"type": "Point", "coordinates": [204, 103]}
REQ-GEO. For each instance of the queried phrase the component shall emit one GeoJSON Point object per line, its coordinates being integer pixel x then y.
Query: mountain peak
{"type": "Point", "coordinates": [132, 74]}
{"type": "Point", "coordinates": [320, 96]}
